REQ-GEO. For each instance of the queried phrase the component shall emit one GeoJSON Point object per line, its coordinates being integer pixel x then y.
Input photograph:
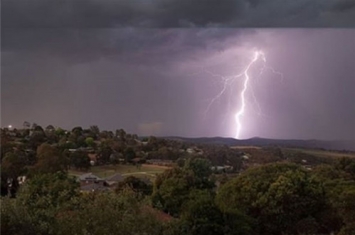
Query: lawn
{"type": "Point", "coordinates": [144, 170]}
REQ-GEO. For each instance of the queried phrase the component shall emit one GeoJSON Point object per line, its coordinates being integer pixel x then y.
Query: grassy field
{"type": "Point", "coordinates": [246, 147]}
{"type": "Point", "coordinates": [322, 153]}
{"type": "Point", "coordinates": [314, 152]}
{"type": "Point", "coordinates": [144, 170]}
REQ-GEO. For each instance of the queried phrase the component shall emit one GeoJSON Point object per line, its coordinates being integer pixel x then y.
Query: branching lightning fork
{"type": "Point", "coordinates": [230, 80]}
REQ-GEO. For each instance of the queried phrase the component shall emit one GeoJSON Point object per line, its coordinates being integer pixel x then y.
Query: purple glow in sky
{"type": "Point", "coordinates": [154, 78]}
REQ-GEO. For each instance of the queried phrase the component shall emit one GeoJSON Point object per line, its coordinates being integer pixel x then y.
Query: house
{"type": "Point", "coordinates": [245, 157]}
{"type": "Point", "coordinates": [114, 179]}
{"type": "Point", "coordinates": [92, 183]}
{"type": "Point", "coordinates": [224, 168]}
{"type": "Point", "coordinates": [89, 178]}
{"type": "Point", "coordinates": [190, 150]}
{"type": "Point", "coordinates": [194, 150]}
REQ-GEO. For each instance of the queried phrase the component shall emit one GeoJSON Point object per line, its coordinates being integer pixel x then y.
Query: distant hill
{"type": "Point", "coordinates": [262, 142]}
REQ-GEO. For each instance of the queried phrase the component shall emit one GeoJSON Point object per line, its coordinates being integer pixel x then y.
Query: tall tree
{"type": "Point", "coordinates": [80, 160]}
{"type": "Point", "coordinates": [37, 137]}
{"type": "Point", "coordinates": [77, 131]}
{"type": "Point", "coordinates": [129, 154]}
{"type": "Point", "coordinates": [95, 130]}
{"type": "Point", "coordinates": [50, 160]}
{"type": "Point", "coordinates": [12, 166]}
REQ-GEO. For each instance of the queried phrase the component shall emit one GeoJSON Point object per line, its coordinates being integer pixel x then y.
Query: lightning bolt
{"type": "Point", "coordinates": [241, 111]}
{"type": "Point", "coordinates": [228, 82]}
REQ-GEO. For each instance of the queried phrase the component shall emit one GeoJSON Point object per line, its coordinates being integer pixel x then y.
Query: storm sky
{"type": "Point", "coordinates": [147, 66]}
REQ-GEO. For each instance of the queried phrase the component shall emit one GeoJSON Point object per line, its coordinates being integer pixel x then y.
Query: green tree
{"type": "Point", "coordinates": [58, 188]}
{"type": "Point", "coordinates": [121, 134]}
{"type": "Point", "coordinates": [95, 130]}
{"type": "Point", "coordinates": [37, 137]}
{"type": "Point", "coordinates": [38, 203]}
{"type": "Point", "coordinates": [282, 198]}
{"type": "Point", "coordinates": [346, 207]}
{"type": "Point", "coordinates": [78, 131]}
{"type": "Point", "coordinates": [200, 166]}
{"type": "Point", "coordinates": [15, 219]}
{"type": "Point", "coordinates": [340, 190]}
{"type": "Point", "coordinates": [50, 128]}
{"type": "Point", "coordinates": [80, 160]}
{"type": "Point", "coordinates": [200, 215]}
{"type": "Point", "coordinates": [6, 144]}
{"type": "Point", "coordinates": [89, 141]}
{"type": "Point", "coordinates": [347, 165]}
{"type": "Point", "coordinates": [129, 154]}
{"type": "Point", "coordinates": [49, 160]}
{"type": "Point", "coordinates": [12, 166]}
{"type": "Point", "coordinates": [108, 213]}
{"type": "Point", "coordinates": [104, 153]}
{"type": "Point", "coordinates": [136, 185]}
{"type": "Point", "coordinates": [80, 141]}
{"type": "Point", "coordinates": [172, 188]}
{"type": "Point", "coordinates": [60, 132]}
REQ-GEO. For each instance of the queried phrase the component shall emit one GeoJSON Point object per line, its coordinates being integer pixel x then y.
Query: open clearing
{"type": "Point", "coordinates": [246, 147]}
{"type": "Point", "coordinates": [144, 170]}
{"type": "Point", "coordinates": [322, 153]}
{"type": "Point", "coordinates": [314, 152]}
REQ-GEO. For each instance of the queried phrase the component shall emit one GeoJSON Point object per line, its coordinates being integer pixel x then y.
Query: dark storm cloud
{"type": "Point", "coordinates": [150, 80]}
{"type": "Point", "coordinates": [176, 13]}
{"type": "Point", "coordinates": [82, 45]}
{"type": "Point", "coordinates": [129, 64]}
{"type": "Point", "coordinates": [343, 5]}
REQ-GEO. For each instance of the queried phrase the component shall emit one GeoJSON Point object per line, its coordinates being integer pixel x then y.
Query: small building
{"type": "Point", "coordinates": [89, 178]}
{"type": "Point", "coordinates": [114, 179]}
{"type": "Point", "coordinates": [245, 157]}
{"type": "Point", "coordinates": [190, 150]}
{"type": "Point", "coordinates": [224, 168]}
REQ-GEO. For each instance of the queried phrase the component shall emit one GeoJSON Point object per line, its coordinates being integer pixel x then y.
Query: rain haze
{"type": "Point", "coordinates": [159, 67]}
